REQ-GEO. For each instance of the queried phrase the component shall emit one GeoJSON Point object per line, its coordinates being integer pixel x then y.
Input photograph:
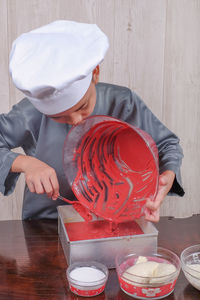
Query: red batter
{"type": "Point", "coordinates": [78, 231]}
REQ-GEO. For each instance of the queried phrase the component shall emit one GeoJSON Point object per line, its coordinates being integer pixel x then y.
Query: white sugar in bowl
{"type": "Point", "coordinates": [87, 279]}
{"type": "Point", "coordinates": [190, 261]}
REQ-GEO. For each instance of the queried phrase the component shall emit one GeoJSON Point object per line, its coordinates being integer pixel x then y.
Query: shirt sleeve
{"type": "Point", "coordinates": [169, 149]}
{"type": "Point", "coordinates": [18, 128]}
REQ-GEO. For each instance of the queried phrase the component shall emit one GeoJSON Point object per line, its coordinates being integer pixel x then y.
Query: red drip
{"type": "Point", "coordinates": [83, 212]}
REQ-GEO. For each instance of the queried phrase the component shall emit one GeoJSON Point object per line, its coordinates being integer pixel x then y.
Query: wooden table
{"type": "Point", "coordinates": [33, 266]}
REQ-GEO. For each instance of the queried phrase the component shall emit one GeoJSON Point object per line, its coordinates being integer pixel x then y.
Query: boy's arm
{"type": "Point", "coordinates": [18, 128]}
{"type": "Point", "coordinates": [39, 176]}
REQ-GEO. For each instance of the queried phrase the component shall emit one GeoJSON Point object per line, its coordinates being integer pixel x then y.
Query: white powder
{"type": "Point", "coordinates": [87, 274]}
{"type": "Point", "coordinates": [193, 275]}
{"type": "Point", "coordinates": [196, 268]}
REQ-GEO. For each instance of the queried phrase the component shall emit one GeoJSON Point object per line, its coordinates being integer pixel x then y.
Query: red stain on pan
{"type": "Point", "coordinates": [115, 167]}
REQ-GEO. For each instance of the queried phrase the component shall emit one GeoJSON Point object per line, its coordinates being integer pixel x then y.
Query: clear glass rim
{"type": "Point", "coordinates": [190, 250]}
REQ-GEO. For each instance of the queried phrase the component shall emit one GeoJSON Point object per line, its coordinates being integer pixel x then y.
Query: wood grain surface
{"type": "Point", "coordinates": [33, 266]}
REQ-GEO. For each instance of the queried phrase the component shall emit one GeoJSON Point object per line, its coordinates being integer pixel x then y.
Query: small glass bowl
{"type": "Point", "coordinates": [190, 257]}
{"type": "Point", "coordinates": [148, 287]}
{"type": "Point", "coordinates": [87, 288]}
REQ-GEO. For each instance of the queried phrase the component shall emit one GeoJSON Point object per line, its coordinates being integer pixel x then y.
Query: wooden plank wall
{"type": "Point", "coordinates": [154, 49]}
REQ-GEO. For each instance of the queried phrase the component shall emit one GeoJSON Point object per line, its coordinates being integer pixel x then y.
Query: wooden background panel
{"type": "Point", "coordinates": [4, 87]}
{"type": "Point", "coordinates": [139, 49]}
{"type": "Point", "coordinates": [181, 106]}
{"type": "Point", "coordinates": [24, 16]}
{"type": "Point", "coordinates": [5, 202]}
{"type": "Point", "coordinates": [100, 12]}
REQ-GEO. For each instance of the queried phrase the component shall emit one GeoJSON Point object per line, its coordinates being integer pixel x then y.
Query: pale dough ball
{"type": "Point", "coordinates": [145, 269]}
{"type": "Point", "coordinates": [163, 269]}
{"type": "Point", "coordinates": [149, 272]}
{"type": "Point", "coordinates": [141, 259]}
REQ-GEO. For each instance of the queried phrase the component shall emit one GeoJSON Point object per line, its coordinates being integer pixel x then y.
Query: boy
{"type": "Point", "coordinates": [57, 68]}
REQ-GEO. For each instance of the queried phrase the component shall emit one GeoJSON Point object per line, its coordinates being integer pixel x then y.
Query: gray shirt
{"type": "Point", "coordinates": [43, 138]}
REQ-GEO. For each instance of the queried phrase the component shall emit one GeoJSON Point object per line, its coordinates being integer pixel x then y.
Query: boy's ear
{"type": "Point", "coordinates": [95, 75]}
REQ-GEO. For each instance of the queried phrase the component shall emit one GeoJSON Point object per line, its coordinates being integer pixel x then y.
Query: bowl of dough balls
{"type": "Point", "coordinates": [149, 276]}
{"type": "Point", "coordinates": [190, 261]}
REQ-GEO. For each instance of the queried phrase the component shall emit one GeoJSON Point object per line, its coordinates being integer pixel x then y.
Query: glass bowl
{"type": "Point", "coordinates": [87, 279]}
{"type": "Point", "coordinates": [112, 167]}
{"type": "Point", "coordinates": [149, 285]}
{"type": "Point", "coordinates": [190, 261]}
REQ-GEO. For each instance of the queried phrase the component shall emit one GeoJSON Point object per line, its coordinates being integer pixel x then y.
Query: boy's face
{"type": "Point", "coordinates": [83, 108]}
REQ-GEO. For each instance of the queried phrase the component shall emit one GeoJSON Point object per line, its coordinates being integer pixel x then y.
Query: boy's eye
{"type": "Point", "coordinates": [84, 106]}
{"type": "Point", "coordinates": [55, 118]}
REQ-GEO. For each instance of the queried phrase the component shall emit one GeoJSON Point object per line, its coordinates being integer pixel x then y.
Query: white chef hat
{"type": "Point", "coordinates": [53, 65]}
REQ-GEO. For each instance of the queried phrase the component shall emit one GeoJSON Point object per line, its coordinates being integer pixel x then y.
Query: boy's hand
{"type": "Point", "coordinates": [40, 177]}
{"type": "Point", "coordinates": [152, 209]}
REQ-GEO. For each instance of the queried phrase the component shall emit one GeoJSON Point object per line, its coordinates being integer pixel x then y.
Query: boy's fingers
{"type": "Point", "coordinates": [48, 188]}
{"type": "Point", "coordinates": [152, 208]}
{"type": "Point", "coordinates": [152, 216]}
{"type": "Point", "coordinates": [39, 187]}
{"type": "Point", "coordinates": [31, 187]}
{"type": "Point", "coordinates": [162, 180]}
{"type": "Point", "coordinates": [154, 205]}
{"type": "Point", "coordinates": [55, 184]}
